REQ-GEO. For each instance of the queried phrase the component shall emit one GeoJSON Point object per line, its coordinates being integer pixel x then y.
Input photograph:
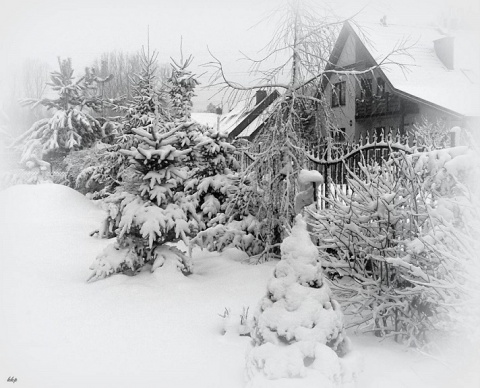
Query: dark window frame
{"type": "Point", "coordinates": [380, 87]}
{"type": "Point", "coordinates": [366, 87]}
{"type": "Point", "coordinates": [340, 135]}
{"type": "Point", "coordinates": [338, 94]}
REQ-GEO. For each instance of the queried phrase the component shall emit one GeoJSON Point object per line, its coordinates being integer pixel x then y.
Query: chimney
{"type": "Point", "coordinates": [444, 50]}
{"type": "Point", "coordinates": [260, 96]}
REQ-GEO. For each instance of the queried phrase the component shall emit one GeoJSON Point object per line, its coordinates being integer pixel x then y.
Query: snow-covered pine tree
{"type": "Point", "coordinates": [239, 223]}
{"type": "Point", "coordinates": [176, 185]}
{"type": "Point", "coordinates": [182, 89]}
{"type": "Point", "coordinates": [70, 127]}
{"type": "Point", "coordinates": [212, 164]}
{"type": "Point", "coordinates": [148, 105]}
{"type": "Point", "coordinates": [299, 328]}
{"type": "Point", "coordinates": [148, 213]}
{"type": "Point", "coordinates": [148, 100]}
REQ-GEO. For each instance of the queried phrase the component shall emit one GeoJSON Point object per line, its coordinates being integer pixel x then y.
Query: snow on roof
{"type": "Point", "coordinates": [424, 75]}
{"type": "Point", "coordinates": [252, 127]}
{"type": "Point", "coordinates": [240, 111]}
{"type": "Point", "coordinates": [208, 119]}
{"type": "Point", "coordinates": [229, 121]}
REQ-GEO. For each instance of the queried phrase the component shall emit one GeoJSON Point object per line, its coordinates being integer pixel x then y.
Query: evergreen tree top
{"type": "Point", "coordinates": [182, 88]}
{"type": "Point", "coordinates": [71, 93]}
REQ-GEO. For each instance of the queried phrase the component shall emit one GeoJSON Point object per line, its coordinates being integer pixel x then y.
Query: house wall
{"type": "Point", "coordinates": [473, 125]}
{"type": "Point", "coordinates": [344, 116]}
{"type": "Point", "coordinates": [366, 127]}
{"type": "Point", "coordinates": [433, 115]}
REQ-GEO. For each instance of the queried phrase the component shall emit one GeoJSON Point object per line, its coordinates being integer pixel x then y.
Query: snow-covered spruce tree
{"type": "Point", "coordinates": [177, 183]}
{"type": "Point", "coordinates": [212, 161]}
{"type": "Point", "coordinates": [404, 243]}
{"type": "Point", "coordinates": [70, 127]}
{"type": "Point", "coordinates": [238, 224]}
{"type": "Point", "coordinates": [147, 106]}
{"type": "Point", "coordinates": [182, 89]}
{"type": "Point", "coordinates": [299, 329]}
{"type": "Point", "coordinates": [212, 165]}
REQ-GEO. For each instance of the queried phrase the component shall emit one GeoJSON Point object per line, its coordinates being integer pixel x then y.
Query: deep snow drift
{"type": "Point", "coordinates": [151, 330]}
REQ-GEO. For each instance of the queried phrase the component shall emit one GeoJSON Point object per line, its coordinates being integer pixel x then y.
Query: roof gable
{"type": "Point", "coordinates": [422, 75]}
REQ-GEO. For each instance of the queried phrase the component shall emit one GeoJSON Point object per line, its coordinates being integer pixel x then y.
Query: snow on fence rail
{"type": "Point", "coordinates": [336, 162]}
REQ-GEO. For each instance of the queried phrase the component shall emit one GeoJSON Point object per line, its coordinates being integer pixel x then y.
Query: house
{"type": "Point", "coordinates": [387, 88]}
{"type": "Point", "coordinates": [248, 117]}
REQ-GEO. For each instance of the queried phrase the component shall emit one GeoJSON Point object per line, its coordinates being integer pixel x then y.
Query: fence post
{"type": "Point", "coordinates": [327, 186]}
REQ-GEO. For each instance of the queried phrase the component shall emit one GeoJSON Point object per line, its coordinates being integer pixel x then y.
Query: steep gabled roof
{"type": "Point", "coordinates": [423, 76]}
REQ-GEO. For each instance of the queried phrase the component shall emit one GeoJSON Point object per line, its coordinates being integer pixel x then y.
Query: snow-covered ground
{"type": "Point", "coordinates": [155, 329]}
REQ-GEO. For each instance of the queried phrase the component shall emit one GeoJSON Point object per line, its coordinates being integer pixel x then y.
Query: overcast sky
{"type": "Point", "coordinates": [84, 29]}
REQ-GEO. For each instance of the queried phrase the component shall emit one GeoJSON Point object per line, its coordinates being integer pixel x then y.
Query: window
{"type": "Point", "coordinates": [366, 86]}
{"type": "Point", "coordinates": [338, 93]}
{"type": "Point", "coordinates": [380, 87]}
{"type": "Point", "coordinates": [339, 136]}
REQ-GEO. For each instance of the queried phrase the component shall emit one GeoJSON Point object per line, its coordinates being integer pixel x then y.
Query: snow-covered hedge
{"type": "Point", "coordinates": [402, 245]}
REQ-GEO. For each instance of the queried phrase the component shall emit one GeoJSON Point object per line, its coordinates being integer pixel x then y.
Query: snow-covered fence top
{"type": "Point", "coordinates": [335, 161]}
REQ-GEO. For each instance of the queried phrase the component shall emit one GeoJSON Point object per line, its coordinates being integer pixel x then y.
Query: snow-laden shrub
{"type": "Point", "coordinates": [80, 166]}
{"type": "Point", "coordinates": [430, 134]}
{"type": "Point", "coordinates": [243, 222]}
{"type": "Point", "coordinates": [239, 223]}
{"type": "Point", "coordinates": [236, 323]}
{"type": "Point", "coordinates": [299, 328]}
{"type": "Point", "coordinates": [404, 242]}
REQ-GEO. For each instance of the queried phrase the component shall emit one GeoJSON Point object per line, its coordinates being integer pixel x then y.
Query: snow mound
{"type": "Point", "coordinates": [45, 203]}
{"type": "Point", "coordinates": [58, 331]}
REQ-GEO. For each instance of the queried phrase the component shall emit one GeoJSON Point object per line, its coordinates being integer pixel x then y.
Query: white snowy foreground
{"type": "Point", "coordinates": [151, 330]}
